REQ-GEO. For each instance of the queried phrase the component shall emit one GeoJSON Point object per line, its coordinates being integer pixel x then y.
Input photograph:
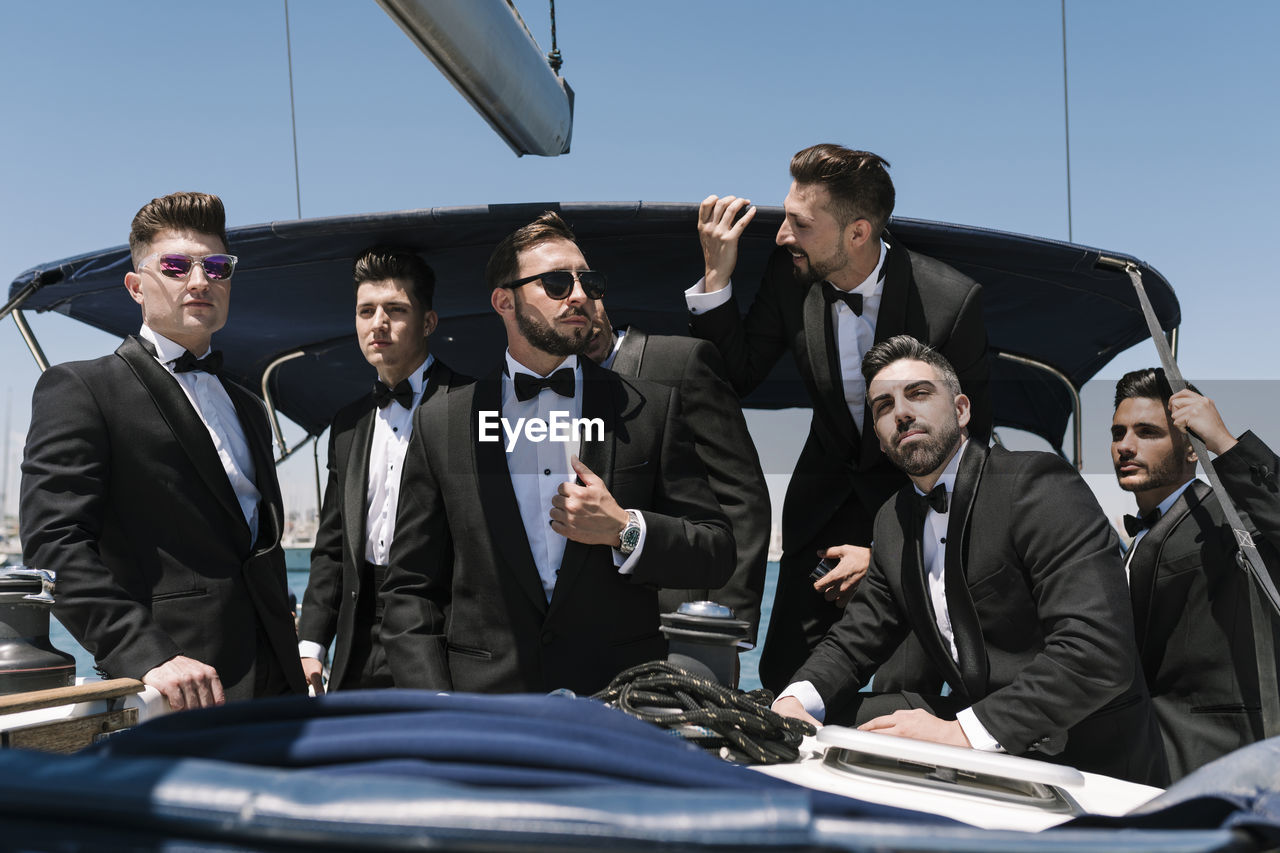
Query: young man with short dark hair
{"type": "Point", "coordinates": [394, 290]}
{"type": "Point", "coordinates": [1191, 607]}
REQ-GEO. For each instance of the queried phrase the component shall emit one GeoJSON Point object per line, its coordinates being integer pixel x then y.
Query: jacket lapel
{"type": "Point", "coordinates": [258, 437]}
{"type": "Point", "coordinates": [891, 320]}
{"type": "Point", "coordinates": [974, 668]}
{"type": "Point", "coordinates": [1142, 568]}
{"type": "Point", "coordinates": [355, 487]}
{"type": "Point", "coordinates": [820, 349]}
{"type": "Point", "coordinates": [915, 588]}
{"type": "Point", "coordinates": [188, 430]}
{"type": "Point", "coordinates": [630, 353]}
{"type": "Point", "coordinates": [598, 401]}
{"type": "Point", "coordinates": [497, 498]}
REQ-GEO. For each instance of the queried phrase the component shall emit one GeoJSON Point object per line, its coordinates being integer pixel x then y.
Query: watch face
{"type": "Point", "coordinates": [630, 538]}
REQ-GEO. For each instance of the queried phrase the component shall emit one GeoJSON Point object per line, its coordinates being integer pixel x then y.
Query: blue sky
{"type": "Point", "coordinates": [1174, 116]}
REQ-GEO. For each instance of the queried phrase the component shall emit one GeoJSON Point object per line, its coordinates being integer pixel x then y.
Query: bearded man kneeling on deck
{"type": "Point", "coordinates": [1004, 567]}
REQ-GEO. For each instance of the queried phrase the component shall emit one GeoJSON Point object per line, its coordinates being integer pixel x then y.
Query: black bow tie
{"type": "Point", "coordinates": [187, 362]}
{"type": "Point", "coordinates": [402, 393]}
{"type": "Point", "coordinates": [528, 385]}
{"type": "Point", "coordinates": [936, 500]}
{"type": "Point", "coordinates": [833, 294]}
{"type": "Point", "coordinates": [1134, 524]}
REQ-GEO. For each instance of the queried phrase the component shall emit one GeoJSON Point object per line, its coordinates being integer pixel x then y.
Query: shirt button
{"type": "Point", "coordinates": [547, 471]}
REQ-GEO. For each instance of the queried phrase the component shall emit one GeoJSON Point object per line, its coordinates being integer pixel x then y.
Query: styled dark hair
{"type": "Point", "coordinates": [905, 347]}
{"type": "Point", "coordinates": [200, 212]}
{"type": "Point", "coordinates": [1148, 382]}
{"type": "Point", "coordinates": [383, 262]}
{"type": "Point", "coordinates": [504, 263]}
{"type": "Point", "coordinates": [858, 182]}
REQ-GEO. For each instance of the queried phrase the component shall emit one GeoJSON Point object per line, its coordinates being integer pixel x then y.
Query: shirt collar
{"type": "Point", "coordinates": [418, 378]}
{"type": "Point", "coordinates": [166, 350]}
{"type": "Point", "coordinates": [874, 282]}
{"type": "Point", "coordinates": [1167, 503]}
{"type": "Point", "coordinates": [618, 335]}
{"type": "Point", "coordinates": [512, 367]}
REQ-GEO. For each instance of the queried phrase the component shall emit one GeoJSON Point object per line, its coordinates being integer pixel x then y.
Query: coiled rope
{"type": "Point", "coordinates": [736, 725]}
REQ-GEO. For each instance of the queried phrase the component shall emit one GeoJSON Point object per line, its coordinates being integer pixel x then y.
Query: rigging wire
{"type": "Point", "coordinates": [293, 118]}
{"type": "Point", "coordinates": [554, 59]}
{"type": "Point", "coordinates": [1066, 118]}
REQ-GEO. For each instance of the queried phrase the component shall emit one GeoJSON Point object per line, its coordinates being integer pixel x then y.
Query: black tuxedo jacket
{"type": "Point", "coordinates": [124, 497]}
{"type": "Point", "coordinates": [1042, 622]}
{"type": "Point", "coordinates": [841, 477]}
{"type": "Point", "coordinates": [464, 607]}
{"type": "Point", "coordinates": [1191, 610]}
{"type": "Point", "coordinates": [334, 590]}
{"type": "Point", "coordinates": [710, 407]}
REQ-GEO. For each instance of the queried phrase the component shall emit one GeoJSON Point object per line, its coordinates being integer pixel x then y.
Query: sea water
{"type": "Point", "coordinates": [298, 564]}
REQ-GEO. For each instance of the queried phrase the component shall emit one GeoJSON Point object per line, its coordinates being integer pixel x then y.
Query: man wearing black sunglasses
{"type": "Point", "coordinates": [149, 487]}
{"type": "Point", "coordinates": [526, 564]}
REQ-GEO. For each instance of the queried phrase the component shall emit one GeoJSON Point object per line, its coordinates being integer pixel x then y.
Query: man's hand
{"type": "Point", "coordinates": [789, 706]}
{"type": "Point", "coordinates": [1192, 411]}
{"type": "Point", "coordinates": [587, 513]}
{"type": "Point", "coordinates": [719, 230]}
{"type": "Point", "coordinates": [918, 724]}
{"type": "Point", "coordinates": [186, 683]}
{"type": "Point", "coordinates": [314, 671]}
{"type": "Point", "coordinates": [837, 585]}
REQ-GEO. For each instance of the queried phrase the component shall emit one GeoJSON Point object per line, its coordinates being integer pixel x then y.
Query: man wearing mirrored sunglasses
{"type": "Point", "coordinates": [149, 487]}
{"type": "Point", "coordinates": [394, 289]}
{"type": "Point", "coordinates": [526, 564]}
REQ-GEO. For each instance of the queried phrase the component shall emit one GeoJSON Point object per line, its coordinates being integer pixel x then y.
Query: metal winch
{"type": "Point", "coordinates": [28, 661]}
{"type": "Point", "coordinates": [703, 636]}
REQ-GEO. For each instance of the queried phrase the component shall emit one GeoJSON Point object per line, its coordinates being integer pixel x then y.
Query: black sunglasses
{"type": "Point", "coordinates": [558, 284]}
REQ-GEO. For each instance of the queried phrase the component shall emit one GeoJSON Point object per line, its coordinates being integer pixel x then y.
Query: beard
{"type": "Point", "coordinates": [816, 271]}
{"type": "Point", "coordinates": [926, 455]}
{"type": "Point", "coordinates": [1166, 472]}
{"type": "Point", "coordinates": [547, 339]}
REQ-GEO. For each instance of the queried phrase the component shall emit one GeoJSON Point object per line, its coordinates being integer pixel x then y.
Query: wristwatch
{"type": "Point", "coordinates": [630, 536]}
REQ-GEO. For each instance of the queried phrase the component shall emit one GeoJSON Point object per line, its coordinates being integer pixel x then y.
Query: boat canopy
{"type": "Point", "coordinates": [1049, 306]}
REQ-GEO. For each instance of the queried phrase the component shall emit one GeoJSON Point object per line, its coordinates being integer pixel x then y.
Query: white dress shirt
{"type": "Point", "coordinates": [392, 428]}
{"type": "Point", "coordinates": [854, 334]}
{"type": "Point", "coordinates": [538, 468]}
{"type": "Point", "coordinates": [214, 408]}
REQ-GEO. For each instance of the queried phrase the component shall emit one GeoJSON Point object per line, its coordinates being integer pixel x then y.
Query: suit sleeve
{"type": "Point", "coordinates": [710, 407]}
{"type": "Point", "coordinates": [318, 621]}
{"type": "Point", "coordinates": [751, 346]}
{"type": "Point", "coordinates": [418, 588]}
{"type": "Point", "coordinates": [966, 349]}
{"type": "Point", "coordinates": [867, 633]}
{"type": "Point", "coordinates": [1249, 471]}
{"type": "Point", "coordinates": [66, 474]}
{"type": "Point", "coordinates": [688, 542]}
{"type": "Point", "coordinates": [1076, 579]}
